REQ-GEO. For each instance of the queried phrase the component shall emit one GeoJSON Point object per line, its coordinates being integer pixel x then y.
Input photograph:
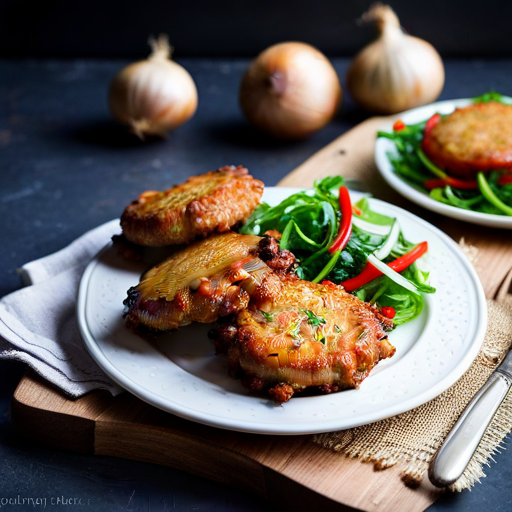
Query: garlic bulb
{"type": "Point", "coordinates": [397, 71]}
{"type": "Point", "coordinates": [153, 96]}
{"type": "Point", "coordinates": [290, 91]}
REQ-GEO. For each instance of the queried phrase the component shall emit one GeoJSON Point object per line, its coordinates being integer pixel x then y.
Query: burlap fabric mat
{"type": "Point", "coordinates": [413, 438]}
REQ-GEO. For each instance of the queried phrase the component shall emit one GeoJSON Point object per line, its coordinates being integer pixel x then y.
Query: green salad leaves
{"type": "Point", "coordinates": [492, 193]}
{"type": "Point", "coordinates": [309, 222]}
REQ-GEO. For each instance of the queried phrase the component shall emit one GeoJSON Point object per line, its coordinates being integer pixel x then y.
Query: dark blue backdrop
{"type": "Point", "coordinates": [120, 28]}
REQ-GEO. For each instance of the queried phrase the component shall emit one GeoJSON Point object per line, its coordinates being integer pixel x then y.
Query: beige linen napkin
{"type": "Point", "coordinates": [37, 323]}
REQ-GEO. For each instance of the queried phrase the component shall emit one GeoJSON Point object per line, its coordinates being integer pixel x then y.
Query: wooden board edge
{"type": "Point", "coordinates": [57, 426]}
{"type": "Point", "coordinates": [75, 434]}
{"type": "Point", "coordinates": [214, 462]}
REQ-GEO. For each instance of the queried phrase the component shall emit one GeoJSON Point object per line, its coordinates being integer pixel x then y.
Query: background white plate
{"type": "Point", "coordinates": [180, 373]}
{"type": "Point", "coordinates": [384, 146]}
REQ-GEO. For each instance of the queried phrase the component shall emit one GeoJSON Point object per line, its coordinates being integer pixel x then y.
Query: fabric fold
{"type": "Point", "coordinates": [38, 325]}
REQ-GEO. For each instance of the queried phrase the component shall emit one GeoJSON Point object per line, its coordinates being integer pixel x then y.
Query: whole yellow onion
{"type": "Point", "coordinates": [290, 91]}
{"type": "Point", "coordinates": [397, 71]}
{"type": "Point", "coordinates": [153, 96]}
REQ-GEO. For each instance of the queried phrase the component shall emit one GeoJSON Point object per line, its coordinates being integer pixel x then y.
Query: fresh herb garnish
{"type": "Point", "coordinates": [319, 336]}
{"type": "Point", "coordinates": [313, 319]}
{"type": "Point", "coordinates": [294, 329]}
{"type": "Point", "coordinates": [269, 317]}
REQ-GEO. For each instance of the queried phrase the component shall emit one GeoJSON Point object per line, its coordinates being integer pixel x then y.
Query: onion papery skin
{"type": "Point", "coordinates": [290, 91]}
{"type": "Point", "coordinates": [397, 71]}
{"type": "Point", "coordinates": [153, 96]}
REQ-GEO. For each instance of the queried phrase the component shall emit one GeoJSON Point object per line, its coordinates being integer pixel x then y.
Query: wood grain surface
{"type": "Point", "coordinates": [290, 471]}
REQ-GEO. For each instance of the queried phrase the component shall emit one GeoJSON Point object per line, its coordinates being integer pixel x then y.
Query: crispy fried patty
{"type": "Point", "coordinates": [472, 139]}
{"type": "Point", "coordinates": [211, 202]}
{"type": "Point", "coordinates": [315, 336]}
{"type": "Point", "coordinates": [210, 278]}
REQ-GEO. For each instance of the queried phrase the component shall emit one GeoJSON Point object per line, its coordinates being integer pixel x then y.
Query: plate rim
{"type": "Point", "coordinates": [382, 146]}
{"type": "Point", "coordinates": [308, 427]}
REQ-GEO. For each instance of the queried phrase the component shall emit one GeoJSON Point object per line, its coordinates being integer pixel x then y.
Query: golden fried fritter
{"type": "Point", "coordinates": [472, 139]}
{"type": "Point", "coordinates": [212, 202]}
{"type": "Point", "coordinates": [210, 278]}
{"type": "Point", "coordinates": [315, 336]}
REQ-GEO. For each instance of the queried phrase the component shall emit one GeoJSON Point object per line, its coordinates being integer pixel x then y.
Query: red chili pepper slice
{"type": "Point", "coordinates": [388, 311]}
{"type": "Point", "coordinates": [345, 230]}
{"type": "Point", "coordinates": [429, 126]}
{"type": "Point", "coordinates": [356, 210]}
{"type": "Point", "coordinates": [506, 179]}
{"type": "Point", "coordinates": [453, 182]}
{"type": "Point", "coordinates": [370, 272]}
{"type": "Point", "coordinates": [399, 125]}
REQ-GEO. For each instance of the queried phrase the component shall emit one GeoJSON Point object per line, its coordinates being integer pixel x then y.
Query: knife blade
{"type": "Point", "coordinates": [455, 453]}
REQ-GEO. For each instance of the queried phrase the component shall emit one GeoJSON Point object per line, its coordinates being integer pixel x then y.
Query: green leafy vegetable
{"type": "Point", "coordinates": [492, 96]}
{"type": "Point", "coordinates": [414, 167]}
{"type": "Point", "coordinates": [309, 221]}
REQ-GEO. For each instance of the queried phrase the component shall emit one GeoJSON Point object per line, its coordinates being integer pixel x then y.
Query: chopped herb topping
{"type": "Point", "coordinates": [294, 329]}
{"type": "Point", "coordinates": [337, 328]}
{"type": "Point", "coordinates": [319, 336]}
{"type": "Point", "coordinates": [314, 319]}
{"type": "Point", "coordinates": [269, 317]}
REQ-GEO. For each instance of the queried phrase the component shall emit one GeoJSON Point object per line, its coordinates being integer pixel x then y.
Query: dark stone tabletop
{"type": "Point", "coordinates": [66, 167]}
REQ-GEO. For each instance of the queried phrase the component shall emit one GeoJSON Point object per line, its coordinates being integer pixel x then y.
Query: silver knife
{"type": "Point", "coordinates": [455, 453]}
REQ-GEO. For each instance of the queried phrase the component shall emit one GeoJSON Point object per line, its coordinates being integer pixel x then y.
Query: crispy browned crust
{"type": "Point", "coordinates": [211, 278]}
{"type": "Point", "coordinates": [472, 139]}
{"type": "Point", "coordinates": [211, 202]}
{"type": "Point", "coordinates": [281, 392]}
{"type": "Point", "coordinates": [284, 350]}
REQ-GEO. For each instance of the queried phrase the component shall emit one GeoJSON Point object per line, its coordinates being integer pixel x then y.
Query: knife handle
{"type": "Point", "coordinates": [455, 453]}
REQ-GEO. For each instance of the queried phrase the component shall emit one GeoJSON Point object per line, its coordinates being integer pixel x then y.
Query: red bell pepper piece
{"type": "Point", "coordinates": [399, 125]}
{"type": "Point", "coordinates": [453, 182]}
{"type": "Point", "coordinates": [370, 272]}
{"type": "Point", "coordinates": [429, 126]}
{"type": "Point", "coordinates": [506, 179]}
{"type": "Point", "coordinates": [345, 229]}
{"type": "Point", "coordinates": [356, 210]}
{"type": "Point", "coordinates": [388, 311]}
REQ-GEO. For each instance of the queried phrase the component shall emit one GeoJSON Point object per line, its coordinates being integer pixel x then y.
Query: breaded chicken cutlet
{"type": "Point", "coordinates": [208, 279]}
{"type": "Point", "coordinates": [314, 336]}
{"type": "Point", "coordinates": [471, 139]}
{"type": "Point", "coordinates": [211, 202]}
{"type": "Point", "coordinates": [281, 335]}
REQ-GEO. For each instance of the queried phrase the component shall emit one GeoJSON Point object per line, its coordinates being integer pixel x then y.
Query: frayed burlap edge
{"type": "Point", "coordinates": [413, 438]}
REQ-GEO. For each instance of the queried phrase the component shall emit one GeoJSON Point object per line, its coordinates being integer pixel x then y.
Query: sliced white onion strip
{"type": "Point", "coordinates": [384, 250]}
{"type": "Point", "coordinates": [375, 229]}
{"type": "Point", "coordinates": [395, 276]}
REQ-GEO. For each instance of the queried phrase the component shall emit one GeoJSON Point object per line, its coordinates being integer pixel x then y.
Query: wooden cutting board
{"type": "Point", "coordinates": [290, 471]}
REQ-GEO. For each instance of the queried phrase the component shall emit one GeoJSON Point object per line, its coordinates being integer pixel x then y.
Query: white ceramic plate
{"type": "Point", "coordinates": [384, 146]}
{"type": "Point", "coordinates": [180, 373]}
